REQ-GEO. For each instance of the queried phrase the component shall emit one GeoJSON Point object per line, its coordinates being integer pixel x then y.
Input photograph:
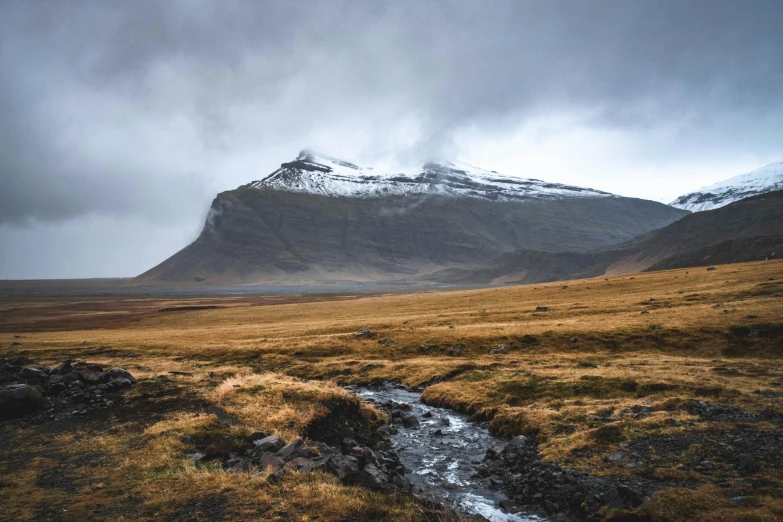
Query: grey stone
{"type": "Point", "coordinates": [616, 456]}
{"type": "Point", "coordinates": [456, 350]}
{"type": "Point", "coordinates": [120, 383]}
{"type": "Point", "coordinates": [33, 373]}
{"type": "Point", "coordinates": [270, 460]}
{"type": "Point", "coordinates": [115, 373]}
{"type": "Point", "coordinates": [20, 400]}
{"type": "Point", "coordinates": [289, 449]}
{"type": "Point", "coordinates": [410, 421]}
{"type": "Point", "coordinates": [270, 443]}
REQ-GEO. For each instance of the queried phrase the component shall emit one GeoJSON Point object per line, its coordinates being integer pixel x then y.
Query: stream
{"type": "Point", "coordinates": [443, 466]}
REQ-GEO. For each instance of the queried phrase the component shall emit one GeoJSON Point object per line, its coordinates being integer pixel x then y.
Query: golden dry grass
{"type": "Point", "coordinates": [604, 345]}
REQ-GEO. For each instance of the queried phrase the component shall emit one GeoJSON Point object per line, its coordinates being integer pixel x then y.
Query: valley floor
{"type": "Point", "coordinates": [672, 379]}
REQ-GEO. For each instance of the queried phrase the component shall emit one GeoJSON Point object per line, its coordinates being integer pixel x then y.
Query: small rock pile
{"type": "Point", "coordinates": [40, 393]}
{"type": "Point", "coordinates": [369, 463]}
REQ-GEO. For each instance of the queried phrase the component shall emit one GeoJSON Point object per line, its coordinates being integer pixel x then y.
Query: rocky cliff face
{"type": "Point", "coordinates": [316, 221]}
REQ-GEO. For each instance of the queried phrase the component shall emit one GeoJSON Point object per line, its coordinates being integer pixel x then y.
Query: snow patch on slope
{"type": "Point", "coordinates": [318, 174]}
{"type": "Point", "coordinates": [759, 181]}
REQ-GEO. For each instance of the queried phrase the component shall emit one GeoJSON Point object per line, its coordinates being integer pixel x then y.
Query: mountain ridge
{"type": "Point", "coordinates": [760, 181]}
{"type": "Point", "coordinates": [283, 230]}
{"type": "Point", "coordinates": [747, 230]}
{"type": "Point", "coordinates": [320, 174]}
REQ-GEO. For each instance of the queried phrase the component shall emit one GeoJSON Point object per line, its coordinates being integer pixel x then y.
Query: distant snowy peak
{"type": "Point", "coordinates": [317, 174]}
{"type": "Point", "coordinates": [760, 181]}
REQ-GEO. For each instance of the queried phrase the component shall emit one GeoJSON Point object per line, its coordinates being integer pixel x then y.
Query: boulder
{"type": "Point", "coordinates": [270, 460]}
{"type": "Point", "coordinates": [33, 373]}
{"type": "Point", "coordinates": [343, 466]}
{"type": "Point", "coordinates": [91, 377]}
{"type": "Point", "coordinates": [121, 383]}
{"type": "Point", "coordinates": [271, 443]}
{"type": "Point", "coordinates": [20, 399]}
{"type": "Point", "coordinates": [116, 373]}
{"type": "Point", "coordinates": [195, 457]}
{"type": "Point", "coordinates": [410, 421]}
{"type": "Point", "coordinates": [289, 449]}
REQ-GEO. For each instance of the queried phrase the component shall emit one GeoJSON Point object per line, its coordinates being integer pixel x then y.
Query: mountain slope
{"type": "Point", "coordinates": [747, 230]}
{"type": "Point", "coordinates": [760, 181]}
{"type": "Point", "coordinates": [320, 221]}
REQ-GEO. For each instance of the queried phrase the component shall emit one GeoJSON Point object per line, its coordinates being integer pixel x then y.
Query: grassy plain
{"type": "Point", "coordinates": [571, 378]}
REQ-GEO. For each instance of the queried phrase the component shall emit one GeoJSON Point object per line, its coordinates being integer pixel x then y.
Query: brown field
{"type": "Point", "coordinates": [658, 340]}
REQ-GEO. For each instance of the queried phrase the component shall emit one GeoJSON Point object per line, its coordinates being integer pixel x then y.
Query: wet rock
{"type": "Point", "coordinates": [20, 399]}
{"type": "Point", "coordinates": [445, 421]}
{"type": "Point", "coordinates": [410, 421]}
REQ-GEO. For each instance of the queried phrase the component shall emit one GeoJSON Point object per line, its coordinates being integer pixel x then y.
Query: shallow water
{"type": "Point", "coordinates": [442, 467]}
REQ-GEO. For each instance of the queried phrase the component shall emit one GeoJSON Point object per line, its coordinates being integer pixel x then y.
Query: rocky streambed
{"type": "Point", "coordinates": [450, 460]}
{"type": "Point", "coordinates": [444, 454]}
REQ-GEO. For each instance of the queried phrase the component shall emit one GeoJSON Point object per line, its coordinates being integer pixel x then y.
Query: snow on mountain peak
{"type": "Point", "coordinates": [315, 173]}
{"type": "Point", "coordinates": [759, 181]}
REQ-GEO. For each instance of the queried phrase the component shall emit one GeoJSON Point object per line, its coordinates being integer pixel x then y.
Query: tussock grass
{"type": "Point", "coordinates": [276, 365]}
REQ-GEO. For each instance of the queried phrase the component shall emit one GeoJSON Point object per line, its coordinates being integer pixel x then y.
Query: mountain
{"type": "Point", "coordinates": [318, 174]}
{"type": "Point", "coordinates": [747, 230]}
{"type": "Point", "coordinates": [318, 220]}
{"type": "Point", "coordinates": [760, 181]}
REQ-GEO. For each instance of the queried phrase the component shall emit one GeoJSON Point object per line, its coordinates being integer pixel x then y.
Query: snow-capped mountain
{"type": "Point", "coordinates": [318, 220]}
{"type": "Point", "coordinates": [318, 174]}
{"type": "Point", "coordinates": [759, 181]}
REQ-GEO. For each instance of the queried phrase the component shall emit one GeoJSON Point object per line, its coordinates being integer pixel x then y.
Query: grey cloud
{"type": "Point", "coordinates": [112, 108]}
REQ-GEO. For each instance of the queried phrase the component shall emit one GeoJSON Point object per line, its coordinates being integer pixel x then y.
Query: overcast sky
{"type": "Point", "coordinates": [120, 121]}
